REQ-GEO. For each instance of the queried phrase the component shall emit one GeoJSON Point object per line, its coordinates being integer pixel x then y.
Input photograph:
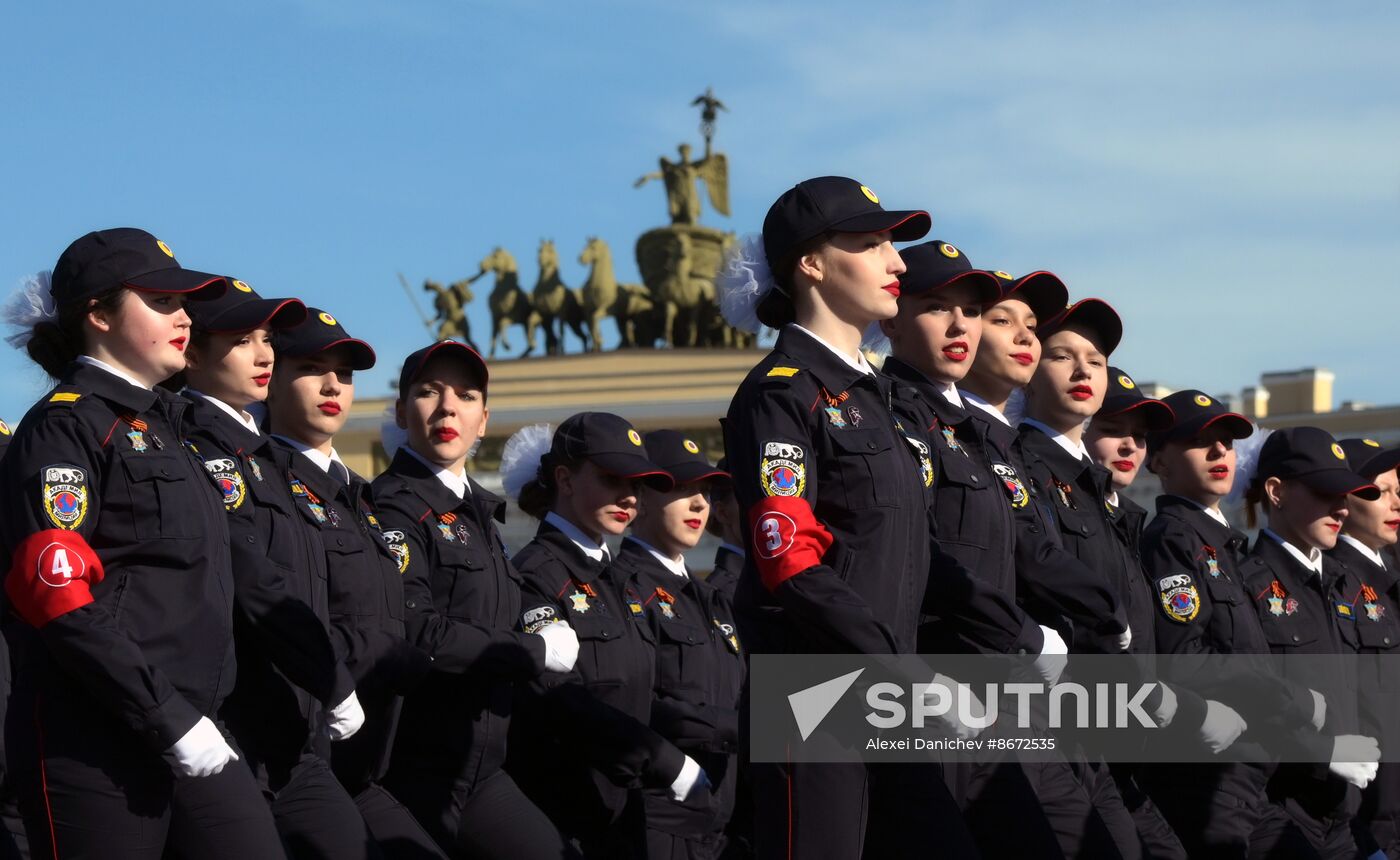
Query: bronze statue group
{"type": "Point", "coordinates": [223, 642]}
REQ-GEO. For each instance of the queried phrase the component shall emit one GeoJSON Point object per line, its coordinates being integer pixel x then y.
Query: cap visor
{"type": "Point", "coordinates": [195, 286]}
{"type": "Point", "coordinates": [689, 473]}
{"type": "Point", "coordinates": [361, 354]}
{"type": "Point", "coordinates": [1157, 415]}
{"type": "Point", "coordinates": [985, 284]}
{"type": "Point", "coordinates": [634, 468]}
{"type": "Point", "coordinates": [1341, 482]}
{"type": "Point", "coordinates": [273, 313]}
{"type": "Point", "coordinates": [905, 225]}
{"type": "Point", "coordinates": [1385, 461]}
{"type": "Point", "coordinates": [1044, 292]}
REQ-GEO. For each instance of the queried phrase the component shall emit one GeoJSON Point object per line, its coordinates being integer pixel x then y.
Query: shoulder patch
{"type": "Point", "coordinates": [1179, 597]}
{"type": "Point", "coordinates": [782, 469]}
{"type": "Point", "coordinates": [229, 480]}
{"type": "Point", "coordinates": [65, 494]}
{"type": "Point", "coordinates": [783, 371]}
{"type": "Point", "coordinates": [398, 545]}
{"type": "Point", "coordinates": [536, 619]}
{"type": "Point", "coordinates": [64, 397]}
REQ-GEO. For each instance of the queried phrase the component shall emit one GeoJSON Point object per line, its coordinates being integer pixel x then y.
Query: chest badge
{"type": "Point", "coordinates": [449, 534]}
{"type": "Point", "coordinates": [1375, 611]}
{"type": "Point", "coordinates": [951, 437]}
{"type": "Point", "coordinates": [665, 602]}
{"type": "Point", "coordinates": [1011, 482]}
{"type": "Point", "coordinates": [255, 469]}
{"type": "Point", "coordinates": [1212, 563]}
{"type": "Point", "coordinates": [1065, 492]}
{"type": "Point", "coordinates": [578, 601]}
{"type": "Point", "coordinates": [137, 434]}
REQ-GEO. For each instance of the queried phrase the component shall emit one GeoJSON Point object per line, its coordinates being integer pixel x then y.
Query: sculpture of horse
{"type": "Point", "coordinates": [555, 302]}
{"type": "Point", "coordinates": [603, 295]}
{"type": "Point", "coordinates": [510, 305]}
{"type": "Point", "coordinates": [451, 303]}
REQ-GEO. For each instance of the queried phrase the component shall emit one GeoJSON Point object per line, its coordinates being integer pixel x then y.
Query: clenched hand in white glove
{"type": "Point", "coordinates": [560, 646]}
{"type": "Point", "coordinates": [345, 719]}
{"type": "Point", "coordinates": [691, 779]}
{"type": "Point", "coordinates": [202, 751]}
{"type": "Point", "coordinates": [1054, 655]}
{"type": "Point", "coordinates": [1355, 759]}
{"type": "Point", "coordinates": [1125, 638]}
{"type": "Point", "coordinates": [1222, 726]}
{"type": "Point", "coordinates": [1319, 714]}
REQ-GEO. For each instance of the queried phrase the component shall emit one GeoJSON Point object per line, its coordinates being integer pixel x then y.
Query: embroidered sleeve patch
{"type": "Point", "coordinates": [536, 619]}
{"type": "Point", "coordinates": [229, 480]}
{"type": "Point", "coordinates": [65, 496]}
{"type": "Point", "coordinates": [1179, 597]}
{"type": "Point", "coordinates": [1011, 482]}
{"type": "Point", "coordinates": [782, 469]}
{"type": "Point", "coordinates": [398, 545]}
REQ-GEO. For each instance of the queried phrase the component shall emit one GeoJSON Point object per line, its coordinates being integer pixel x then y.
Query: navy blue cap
{"type": "Point", "coordinates": [126, 257]}
{"type": "Point", "coordinates": [1370, 458]}
{"type": "Point", "coordinates": [612, 444]}
{"type": "Point", "coordinates": [242, 309]}
{"type": "Point", "coordinates": [1194, 411]}
{"type": "Point", "coordinates": [1043, 291]}
{"type": "Point", "coordinates": [1095, 315]}
{"type": "Point", "coordinates": [937, 264]}
{"type": "Point", "coordinates": [319, 332]}
{"type": "Point", "coordinates": [826, 204]}
{"type": "Point", "coordinates": [681, 456]}
{"type": "Point", "coordinates": [1124, 396]}
{"type": "Point", "coordinates": [414, 363]}
{"type": "Point", "coordinates": [1311, 455]}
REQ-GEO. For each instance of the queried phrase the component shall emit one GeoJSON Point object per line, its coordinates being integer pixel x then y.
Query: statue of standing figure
{"type": "Point", "coordinates": [680, 177]}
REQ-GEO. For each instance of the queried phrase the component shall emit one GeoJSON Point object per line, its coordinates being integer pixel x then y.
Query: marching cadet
{"type": "Point", "coordinates": [935, 339]}
{"type": "Point", "coordinates": [120, 571]}
{"type": "Point", "coordinates": [836, 491]}
{"type": "Point", "coordinates": [1370, 527]}
{"type": "Point", "coordinates": [699, 659]}
{"type": "Point", "coordinates": [1307, 607]}
{"type": "Point", "coordinates": [292, 691]}
{"type": "Point", "coordinates": [726, 522]}
{"type": "Point", "coordinates": [310, 395]}
{"type": "Point", "coordinates": [462, 602]}
{"type": "Point", "coordinates": [1192, 557]}
{"type": "Point", "coordinates": [581, 742]}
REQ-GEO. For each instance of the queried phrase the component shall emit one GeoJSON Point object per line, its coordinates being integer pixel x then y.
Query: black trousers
{"type": "Point", "coordinates": [493, 819]}
{"type": "Point", "coordinates": [1222, 812]}
{"type": "Point", "coordinates": [394, 829]}
{"type": "Point", "coordinates": [317, 818]}
{"type": "Point", "coordinates": [92, 789]}
{"type": "Point", "coordinates": [1158, 840]}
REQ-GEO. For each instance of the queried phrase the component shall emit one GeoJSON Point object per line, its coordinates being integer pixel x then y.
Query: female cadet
{"type": "Point", "coordinates": [1370, 527]}
{"type": "Point", "coordinates": [311, 392]}
{"type": "Point", "coordinates": [1192, 558]}
{"type": "Point", "coordinates": [581, 740]}
{"type": "Point", "coordinates": [120, 570]}
{"type": "Point", "coordinates": [292, 689]}
{"type": "Point", "coordinates": [462, 602]}
{"type": "Point", "coordinates": [836, 493]}
{"type": "Point", "coordinates": [934, 340]}
{"type": "Point", "coordinates": [699, 663]}
{"type": "Point", "coordinates": [1306, 607]}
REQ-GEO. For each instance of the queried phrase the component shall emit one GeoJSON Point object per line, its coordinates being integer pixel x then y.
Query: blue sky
{"type": "Point", "coordinates": [1225, 174]}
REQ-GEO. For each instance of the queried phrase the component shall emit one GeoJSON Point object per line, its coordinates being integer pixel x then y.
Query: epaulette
{"type": "Point", "coordinates": [60, 396]}
{"type": "Point", "coordinates": [783, 371]}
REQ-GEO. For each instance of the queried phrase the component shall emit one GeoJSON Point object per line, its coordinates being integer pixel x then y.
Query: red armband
{"type": "Point", "coordinates": [787, 539]}
{"type": "Point", "coordinates": [51, 574]}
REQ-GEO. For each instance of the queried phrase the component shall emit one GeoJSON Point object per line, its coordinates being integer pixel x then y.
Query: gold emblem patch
{"type": "Point", "coordinates": [691, 446]}
{"type": "Point", "coordinates": [165, 249]}
{"type": "Point", "coordinates": [635, 437]}
{"type": "Point", "coordinates": [327, 318]}
{"type": "Point", "coordinates": [869, 195]}
{"type": "Point", "coordinates": [1338, 452]}
{"type": "Point", "coordinates": [1126, 382]}
{"type": "Point", "coordinates": [949, 251]}
{"type": "Point", "coordinates": [1202, 400]}
{"type": "Point", "coordinates": [242, 287]}
{"type": "Point", "coordinates": [782, 371]}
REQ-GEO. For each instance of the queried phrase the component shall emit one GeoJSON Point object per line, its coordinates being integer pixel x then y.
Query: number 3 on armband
{"type": "Point", "coordinates": [775, 533]}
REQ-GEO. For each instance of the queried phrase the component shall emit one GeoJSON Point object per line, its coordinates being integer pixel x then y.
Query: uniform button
{"type": "Point", "coordinates": [1385, 641]}
{"type": "Point", "coordinates": [870, 445]}
{"type": "Point", "coordinates": [605, 634]}
{"type": "Point", "coordinates": [1084, 530]}
{"type": "Point", "coordinates": [975, 479]}
{"type": "Point", "coordinates": [165, 472]}
{"type": "Point", "coordinates": [1295, 637]}
{"type": "Point", "coordinates": [340, 541]}
{"type": "Point", "coordinates": [249, 539]}
{"type": "Point", "coordinates": [409, 603]}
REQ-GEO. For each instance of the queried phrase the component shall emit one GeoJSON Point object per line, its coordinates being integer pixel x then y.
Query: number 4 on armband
{"type": "Point", "coordinates": [55, 566]}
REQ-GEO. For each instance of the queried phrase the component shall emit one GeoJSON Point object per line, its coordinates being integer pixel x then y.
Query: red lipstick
{"type": "Point", "coordinates": [1081, 392]}
{"type": "Point", "coordinates": [445, 434]}
{"type": "Point", "coordinates": [693, 523]}
{"type": "Point", "coordinates": [1025, 359]}
{"type": "Point", "coordinates": [262, 379]}
{"type": "Point", "coordinates": [621, 516]}
{"type": "Point", "coordinates": [1219, 473]}
{"type": "Point", "coordinates": [892, 288]}
{"type": "Point", "coordinates": [329, 407]}
{"type": "Point", "coordinates": [178, 343]}
{"type": "Point", "coordinates": [1124, 465]}
{"type": "Point", "coordinates": [956, 351]}
{"type": "Point", "coordinates": [1335, 527]}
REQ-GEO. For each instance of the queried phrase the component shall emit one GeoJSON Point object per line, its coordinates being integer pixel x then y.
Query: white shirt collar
{"type": "Point", "coordinates": [330, 464]}
{"type": "Point", "coordinates": [1364, 550]}
{"type": "Point", "coordinates": [1213, 513]}
{"type": "Point", "coordinates": [1074, 449]}
{"type": "Point", "coordinates": [456, 483]}
{"type": "Point", "coordinates": [1111, 497]}
{"type": "Point", "coordinates": [1312, 561]}
{"type": "Point", "coordinates": [985, 407]}
{"type": "Point", "coordinates": [241, 417]}
{"type": "Point", "coordinates": [676, 567]}
{"type": "Point", "coordinates": [584, 543]}
{"type": "Point", "coordinates": [737, 550]}
{"type": "Point", "coordinates": [119, 374]}
{"type": "Point", "coordinates": [859, 363]}
{"type": "Point", "coordinates": [951, 395]}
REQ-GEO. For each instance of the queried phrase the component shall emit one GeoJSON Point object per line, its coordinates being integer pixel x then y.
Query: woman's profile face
{"type": "Point", "coordinates": [856, 276]}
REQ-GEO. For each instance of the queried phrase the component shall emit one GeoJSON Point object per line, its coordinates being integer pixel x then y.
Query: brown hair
{"type": "Point", "coordinates": [538, 495]}
{"type": "Point", "coordinates": [53, 345]}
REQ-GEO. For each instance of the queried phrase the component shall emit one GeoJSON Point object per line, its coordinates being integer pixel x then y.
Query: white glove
{"type": "Point", "coordinates": [947, 712]}
{"type": "Point", "coordinates": [1355, 758]}
{"type": "Point", "coordinates": [1125, 639]}
{"type": "Point", "coordinates": [560, 646]}
{"type": "Point", "coordinates": [1054, 655]}
{"type": "Point", "coordinates": [692, 778]}
{"type": "Point", "coordinates": [1166, 709]}
{"type": "Point", "coordinates": [1222, 726]}
{"type": "Point", "coordinates": [203, 750]}
{"type": "Point", "coordinates": [345, 718]}
{"type": "Point", "coordinates": [1319, 716]}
